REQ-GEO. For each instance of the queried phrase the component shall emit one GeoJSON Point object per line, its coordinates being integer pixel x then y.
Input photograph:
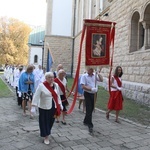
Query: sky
{"type": "Point", "coordinates": [32, 12]}
{"type": "Point", "coordinates": [62, 17]}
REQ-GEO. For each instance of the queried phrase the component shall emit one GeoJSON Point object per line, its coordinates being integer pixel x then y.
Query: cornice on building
{"type": "Point", "coordinates": [103, 13]}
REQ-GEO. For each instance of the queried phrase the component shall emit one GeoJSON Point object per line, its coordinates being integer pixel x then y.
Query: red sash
{"type": "Point", "coordinates": [55, 97]}
{"type": "Point", "coordinates": [119, 84]}
{"type": "Point", "coordinates": [118, 81]}
{"type": "Point", "coordinates": [62, 87]}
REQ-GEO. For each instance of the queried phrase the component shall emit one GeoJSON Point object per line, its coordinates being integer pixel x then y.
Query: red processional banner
{"type": "Point", "coordinates": [99, 35]}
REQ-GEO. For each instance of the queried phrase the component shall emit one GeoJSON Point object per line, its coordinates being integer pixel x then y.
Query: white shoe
{"type": "Point", "coordinates": [46, 141]}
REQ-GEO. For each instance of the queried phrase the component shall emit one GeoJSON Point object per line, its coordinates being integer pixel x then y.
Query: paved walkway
{"type": "Point", "coordinates": [22, 133]}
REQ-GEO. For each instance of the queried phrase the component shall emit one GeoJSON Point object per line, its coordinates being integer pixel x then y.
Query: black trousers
{"type": "Point", "coordinates": [19, 99]}
{"type": "Point", "coordinates": [46, 120]}
{"type": "Point", "coordinates": [89, 103]}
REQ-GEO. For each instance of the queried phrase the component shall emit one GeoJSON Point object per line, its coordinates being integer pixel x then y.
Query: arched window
{"type": "Point", "coordinates": [35, 58]}
{"type": "Point", "coordinates": [140, 31]}
{"type": "Point", "coordinates": [134, 32]}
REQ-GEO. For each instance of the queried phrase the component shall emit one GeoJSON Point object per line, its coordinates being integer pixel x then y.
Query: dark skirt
{"type": "Point", "coordinates": [19, 99]}
{"type": "Point", "coordinates": [46, 120]}
{"type": "Point", "coordinates": [64, 102]}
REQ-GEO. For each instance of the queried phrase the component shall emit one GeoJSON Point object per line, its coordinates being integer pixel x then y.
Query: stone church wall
{"type": "Point", "coordinates": [61, 49]}
{"type": "Point", "coordinates": [136, 65]}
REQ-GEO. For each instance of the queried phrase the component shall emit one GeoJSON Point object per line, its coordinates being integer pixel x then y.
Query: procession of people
{"type": "Point", "coordinates": [46, 92]}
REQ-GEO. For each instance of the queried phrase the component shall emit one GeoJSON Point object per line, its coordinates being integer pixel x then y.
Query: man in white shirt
{"type": "Point", "coordinates": [88, 82]}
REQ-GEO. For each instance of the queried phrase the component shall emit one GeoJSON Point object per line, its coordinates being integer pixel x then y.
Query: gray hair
{"type": "Point", "coordinates": [61, 71]}
{"type": "Point", "coordinates": [49, 74]}
{"type": "Point", "coordinates": [29, 67]}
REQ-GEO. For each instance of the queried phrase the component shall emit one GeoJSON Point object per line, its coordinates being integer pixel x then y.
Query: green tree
{"type": "Point", "coordinates": [14, 36]}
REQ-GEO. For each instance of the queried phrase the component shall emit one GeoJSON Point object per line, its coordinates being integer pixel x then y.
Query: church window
{"type": "Point", "coordinates": [134, 32]}
{"type": "Point", "coordinates": [140, 31]}
{"type": "Point", "coordinates": [35, 58]}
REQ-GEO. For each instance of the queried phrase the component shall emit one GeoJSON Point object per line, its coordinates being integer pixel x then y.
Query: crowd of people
{"type": "Point", "coordinates": [46, 91]}
{"type": "Point", "coordinates": [36, 88]}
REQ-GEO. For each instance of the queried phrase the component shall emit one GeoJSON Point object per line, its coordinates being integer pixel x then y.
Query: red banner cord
{"type": "Point", "coordinates": [75, 83]}
{"type": "Point", "coordinates": [112, 37]}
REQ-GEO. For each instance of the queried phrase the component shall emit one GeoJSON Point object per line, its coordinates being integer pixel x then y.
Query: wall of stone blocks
{"type": "Point", "coordinates": [61, 49]}
{"type": "Point", "coordinates": [138, 92]}
{"type": "Point", "coordinates": [136, 65]}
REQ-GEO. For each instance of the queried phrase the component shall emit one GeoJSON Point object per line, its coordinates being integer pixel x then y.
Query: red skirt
{"type": "Point", "coordinates": [115, 101]}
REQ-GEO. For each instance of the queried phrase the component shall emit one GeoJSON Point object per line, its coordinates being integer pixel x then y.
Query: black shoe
{"type": "Point", "coordinates": [85, 123]}
{"type": "Point", "coordinates": [64, 123]}
{"type": "Point", "coordinates": [90, 129]}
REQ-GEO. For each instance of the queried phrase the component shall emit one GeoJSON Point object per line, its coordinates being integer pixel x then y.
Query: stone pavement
{"type": "Point", "coordinates": [22, 133]}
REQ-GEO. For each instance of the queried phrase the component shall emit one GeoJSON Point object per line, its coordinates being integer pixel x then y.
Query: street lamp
{"type": "Point", "coordinates": [42, 42]}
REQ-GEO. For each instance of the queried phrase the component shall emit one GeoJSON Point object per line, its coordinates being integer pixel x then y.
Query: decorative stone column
{"type": "Point", "coordinates": [49, 17]}
{"type": "Point", "coordinates": [80, 24]}
{"type": "Point", "coordinates": [86, 10]}
{"type": "Point", "coordinates": [97, 7]}
{"type": "Point", "coordinates": [145, 26]}
{"type": "Point", "coordinates": [148, 38]}
{"type": "Point", "coordinates": [93, 9]}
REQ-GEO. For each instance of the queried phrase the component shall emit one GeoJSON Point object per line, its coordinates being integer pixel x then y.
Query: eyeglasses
{"type": "Point", "coordinates": [50, 77]}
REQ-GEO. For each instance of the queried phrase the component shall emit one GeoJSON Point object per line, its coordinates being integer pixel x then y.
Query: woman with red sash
{"type": "Point", "coordinates": [116, 99]}
{"type": "Point", "coordinates": [62, 83]}
{"type": "Point", "coordinates": [49, 103]}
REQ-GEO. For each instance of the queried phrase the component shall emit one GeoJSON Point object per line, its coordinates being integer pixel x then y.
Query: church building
{"type": "Point", "coordinates": [132, 41]}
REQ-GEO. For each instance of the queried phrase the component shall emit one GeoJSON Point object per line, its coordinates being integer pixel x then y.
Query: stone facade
{"type": "Point", "coordinates": [135, 64]}
{"type": "Point", "coordinates": [61, 50]}
{"type": "Point", "coordinates": [132, 43]}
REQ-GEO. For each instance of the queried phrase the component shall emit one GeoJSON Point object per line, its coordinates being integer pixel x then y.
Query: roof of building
{"type": "Point", "coordinates": [37, 35]}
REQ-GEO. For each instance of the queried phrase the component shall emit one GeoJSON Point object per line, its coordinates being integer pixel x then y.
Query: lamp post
{"type": "Point", "coordinates": [41, 41]}
{"type": "Point", "coordinates": [29, 51]}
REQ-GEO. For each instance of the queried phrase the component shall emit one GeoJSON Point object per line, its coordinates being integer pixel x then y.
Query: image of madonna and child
{"type": "Point", "coordinates": [98, 45]}
{"type": "Point", "coordinates": [116, 99]}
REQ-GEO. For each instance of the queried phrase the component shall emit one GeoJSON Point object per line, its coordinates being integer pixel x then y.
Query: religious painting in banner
{"type": "Point", "coordinates": [99, 35]}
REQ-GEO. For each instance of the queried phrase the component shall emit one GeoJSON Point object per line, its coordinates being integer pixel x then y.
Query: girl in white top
{"type": "Point", "coordinates": [116, 99]}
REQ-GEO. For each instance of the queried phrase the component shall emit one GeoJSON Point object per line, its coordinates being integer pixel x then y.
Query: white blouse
{"type": "Point", "coordinates": [43, 97]}
{"type": "Point", "coordinates": [64, 82]}
{"type": "Point", "coordinates": [115, 84]}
